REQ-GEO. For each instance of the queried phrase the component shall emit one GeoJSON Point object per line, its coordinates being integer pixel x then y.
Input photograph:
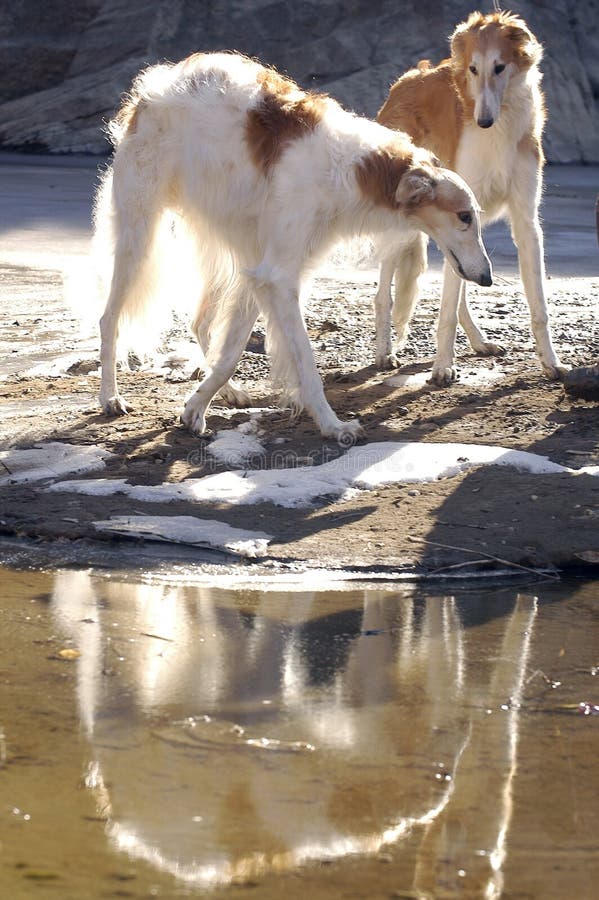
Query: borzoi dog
{"type": "Point", "coordinates": [482, 113]}
{"type": "Point", "coordinates": [266, 177]}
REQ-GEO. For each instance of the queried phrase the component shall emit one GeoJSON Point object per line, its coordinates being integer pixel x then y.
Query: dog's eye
{"type": "Point", "coordinates": [465, 217]}
{"type": "Point", "coordinates": [499, 68]}
{"type": "Point", "coordinates": [473, 69]}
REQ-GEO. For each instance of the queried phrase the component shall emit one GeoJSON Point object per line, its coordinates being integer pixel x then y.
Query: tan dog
{"type": "Point", "coordinates": [482, 113]}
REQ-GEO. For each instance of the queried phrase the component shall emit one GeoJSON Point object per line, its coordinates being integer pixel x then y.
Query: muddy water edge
{"type": "Point", "coordinates": [166, 735]}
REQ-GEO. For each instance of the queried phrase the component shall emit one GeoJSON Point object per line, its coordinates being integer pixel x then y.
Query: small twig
{"type": "Point", "coordinates": [503, 562]}
{"type": "Point", "coordinates": [550, 681]}
{"type": "Point", "coordinates": [471, 562]}
{"type": "Point", "coordinates": [505, 280]}
{"type": "Point", "coordinates": [462, 524]}
{"type": "Point", "coordinates": [349, 515]}
{"type": "Point", "coordinates": [157, 636]}
{"type": "Point", "coordinates": [3, 464]}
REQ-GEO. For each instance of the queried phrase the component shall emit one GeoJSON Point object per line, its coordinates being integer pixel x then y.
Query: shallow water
{"type": "Point", "coordinates": [161, 738]}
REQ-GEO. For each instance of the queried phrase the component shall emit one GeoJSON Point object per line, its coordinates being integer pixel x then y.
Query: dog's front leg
{"type": "Point", "coordinates": [443, 368]}
{"type": "Point", "coordinates": [291, 354]}
{"type": "Point", "coordinates": [383, 303]}
{"type": "Point", "coordinates": [528, 237]}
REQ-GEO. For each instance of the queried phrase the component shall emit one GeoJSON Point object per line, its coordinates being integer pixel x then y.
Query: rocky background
{"type": "Point", "coordinates": [64, 64]}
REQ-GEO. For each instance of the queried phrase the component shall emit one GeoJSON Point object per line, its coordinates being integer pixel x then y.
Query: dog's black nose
{"type": "Point", "coordinates": [485, 123]}
{"type": "Point", "coordinates": [486, 280]}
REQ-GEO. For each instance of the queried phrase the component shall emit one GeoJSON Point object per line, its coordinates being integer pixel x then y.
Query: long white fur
{"type": "Point", "coordinates": [256, 235]}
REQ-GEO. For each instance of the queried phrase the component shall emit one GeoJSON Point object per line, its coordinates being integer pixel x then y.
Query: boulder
{"type": "Point", "coordinates": [64, 66]}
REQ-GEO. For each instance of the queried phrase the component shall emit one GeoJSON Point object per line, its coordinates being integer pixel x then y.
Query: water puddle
{"type": "Point", "coordinates": [166, 738]}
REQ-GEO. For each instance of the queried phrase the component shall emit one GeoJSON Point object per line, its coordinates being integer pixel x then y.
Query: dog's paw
{"type": "Point", "coordinates": [348, 433]}
{"type": "Point", "coordinates": [488, 348]}
{"type": "Point", "coordinates": [194, 422]}
{"type": "Point", "coordinates": [194, 415]}
{"type": "Point", "coordinates": [443, 375]}
{"type": "Point", "coordinates": [235, 396]}
{"type": "Point", "coordinates": [115, 406]}
{"type": "Point", "coordinates": [555, 372]}
{"type": "Point", "coordinates": [386, 361]}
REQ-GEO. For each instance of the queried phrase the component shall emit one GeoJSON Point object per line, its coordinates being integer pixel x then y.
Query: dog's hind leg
{"type": "Point", "coordinates": [134, 212]}
{"type": "Point", "coordinates": [201, 325]}
{"type": "Point", "coordinates": [229, 335]}
{"type": "Point", "coordinates": [477, 338]}
{"type": "Point", "coordinates": [111, 401]}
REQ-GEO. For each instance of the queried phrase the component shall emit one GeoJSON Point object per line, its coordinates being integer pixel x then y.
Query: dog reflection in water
{"type": "Point", "coordinates": [287, 732]}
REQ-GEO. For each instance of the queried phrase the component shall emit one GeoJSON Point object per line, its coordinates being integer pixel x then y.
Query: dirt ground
{"type": "Point", "coordinates": [482, 519]}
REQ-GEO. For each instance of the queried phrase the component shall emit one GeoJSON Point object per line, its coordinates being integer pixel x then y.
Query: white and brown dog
{"type": "Point", "coordinates": [265, 177]}
{"type": "Point", "coordinates": [482, 113]}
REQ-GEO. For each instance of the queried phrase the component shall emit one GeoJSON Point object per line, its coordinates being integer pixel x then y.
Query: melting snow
{"type": "Point", "coordinates": [471, 377]}
{"type": "Point", "coordinates": [189, 530]}
{"type": "Point", "coordinates": [363, 468]}
{"type": "Point", "coordinates": [236, 446]}
{"type": "Point", "coordinates": [51, 460]}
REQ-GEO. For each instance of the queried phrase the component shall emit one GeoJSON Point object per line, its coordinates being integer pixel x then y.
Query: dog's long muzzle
{"type": "Point", "coordinates": [484, 277]}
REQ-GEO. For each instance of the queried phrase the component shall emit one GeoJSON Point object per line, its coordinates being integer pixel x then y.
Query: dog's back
{"type": "Point", "coordinates": [173, 128]}
{"type": "Point", "coordinates": [425, 104]}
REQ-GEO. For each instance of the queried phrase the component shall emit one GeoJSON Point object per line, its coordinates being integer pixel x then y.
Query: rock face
{"type": "Point", "coordinates": [63, 66]}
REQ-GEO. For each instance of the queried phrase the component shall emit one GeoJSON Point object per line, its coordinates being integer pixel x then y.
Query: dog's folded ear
{"type": "Point", "coordinates": [417, 186]}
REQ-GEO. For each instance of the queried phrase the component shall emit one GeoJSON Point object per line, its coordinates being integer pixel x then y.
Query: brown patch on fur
{"type": "Point", "coordinates": [425, 103]}
{"type": "Point", "coordinates": [531, 143]}
{"type": "Point", "coordinates": [379, 172]}
{"type": "Point", "coordinates": [283, 114]}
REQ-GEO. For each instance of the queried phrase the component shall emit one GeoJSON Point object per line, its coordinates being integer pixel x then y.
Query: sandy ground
{"type": "Point", "coordinates": [484, 518]}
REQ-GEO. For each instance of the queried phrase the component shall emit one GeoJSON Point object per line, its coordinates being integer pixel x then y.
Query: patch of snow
{"type": "Point", "coordinates": [59, 366]}
{"type": "Point", "coordinates": [365, 468]}
{"type": "Point", "coordinates": [227, 412]}
{"type": "Point", "coordinates": [19, 422]}
{"type": "Point", "coordinates": [474, 377]}
{"type": "Point", "coordinates": [189, 530]}
{"type": "Point", "coordinates": [236, 446]}
{"type": "Point", "coordinates": [51, 460]}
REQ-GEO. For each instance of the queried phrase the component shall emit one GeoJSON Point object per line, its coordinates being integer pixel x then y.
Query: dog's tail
{"type": "Point", "coordinates": [147, 264]}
